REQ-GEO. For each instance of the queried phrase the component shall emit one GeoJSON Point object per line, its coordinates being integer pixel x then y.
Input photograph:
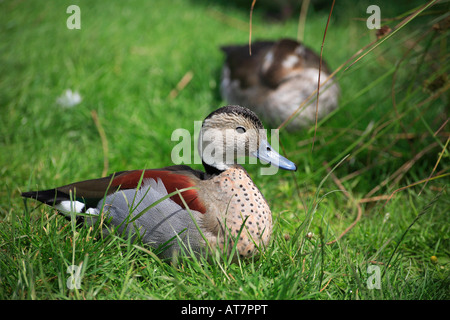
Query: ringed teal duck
{"type": "Point", "coordinates": [224, 199]}
{"type": "Point", "coordinates": [275, 80]}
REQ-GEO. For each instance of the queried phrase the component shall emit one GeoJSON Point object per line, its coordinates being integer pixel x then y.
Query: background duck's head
{"type": "Point", "coordinates": [286, 59]}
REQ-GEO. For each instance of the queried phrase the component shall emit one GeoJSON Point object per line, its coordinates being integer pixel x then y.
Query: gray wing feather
{"type": "Point", "coordinates": [159, 224]}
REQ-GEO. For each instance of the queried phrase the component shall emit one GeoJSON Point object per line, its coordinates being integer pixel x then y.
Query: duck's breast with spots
{"type": "Point", "coordinates": [242, 202]}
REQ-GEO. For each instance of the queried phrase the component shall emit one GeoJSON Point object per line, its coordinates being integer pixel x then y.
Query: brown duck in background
{"type": "Point", "coordinates": [275, 80]}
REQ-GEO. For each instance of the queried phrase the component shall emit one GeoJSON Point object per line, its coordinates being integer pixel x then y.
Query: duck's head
{"type": "Point", "coordinates": [287, 59]}
{"type": "Point", "coordinates": [231, 132]}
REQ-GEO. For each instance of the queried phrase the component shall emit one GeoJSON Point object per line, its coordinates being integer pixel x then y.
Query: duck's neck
{"type": "Point", "coordinates": [212, 170]}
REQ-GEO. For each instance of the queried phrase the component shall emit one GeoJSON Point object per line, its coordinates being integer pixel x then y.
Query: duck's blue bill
{"type": "Point", "coordinates": [268, 154]}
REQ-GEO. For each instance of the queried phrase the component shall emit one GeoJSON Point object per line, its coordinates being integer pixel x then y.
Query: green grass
{"type": "Point", "coordinates": [125, 61]}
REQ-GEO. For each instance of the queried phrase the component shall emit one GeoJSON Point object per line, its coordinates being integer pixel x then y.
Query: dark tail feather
{"type": "Point", "coordinates": [49, 197]}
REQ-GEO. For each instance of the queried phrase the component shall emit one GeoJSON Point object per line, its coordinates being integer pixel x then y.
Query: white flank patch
{"type": "Point", "coordinates": [268, 59]}
{"type": "Point", "coordinates": [68, 206]}
{"type": "Point", "coordinates": [92, 211]}
{"type": "Point", "coordinates": [290, 61]}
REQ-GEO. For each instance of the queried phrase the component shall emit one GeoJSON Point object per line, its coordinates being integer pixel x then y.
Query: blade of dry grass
{"type": "Point", "coordinates": [104, 140]}
{"type": "Point", "coordinates": [415, 184]}
{"type": "Point", "coordinates": [400, 172]}
{"type": "Point", "coordinates": [250, 26]}
{"type": "Point", "coordinates": [181, 84]}
{"type": "Point", "coordinates": [320, 70]}
{"type": "Point", "coordinates": [435, 166]}
{"type": "Point", "coordinates": [302, 20]}
{"type": "Point", "coordinates": [350, 197]}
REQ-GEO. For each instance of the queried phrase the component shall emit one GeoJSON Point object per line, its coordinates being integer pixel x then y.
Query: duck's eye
{"type": "Point", "coordinates": [240, 129]}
